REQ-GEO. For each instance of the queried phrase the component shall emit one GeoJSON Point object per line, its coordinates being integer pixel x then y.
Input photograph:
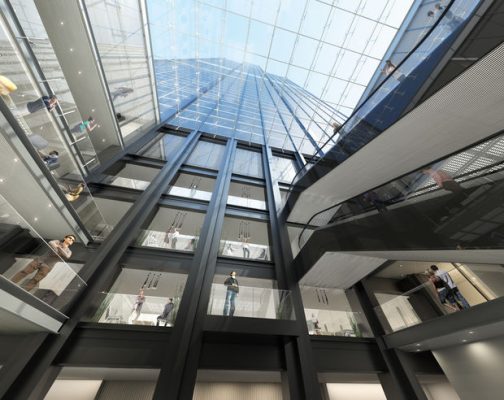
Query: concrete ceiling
{"type": "Point", "coordinates": [467, 110]}
{"type": "Point", "coordinates": [463, 256]}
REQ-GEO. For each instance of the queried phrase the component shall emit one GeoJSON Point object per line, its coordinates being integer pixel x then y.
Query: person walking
{"type": "Point", "coordinates": [44, 265]}
{"type": "Point", "coordinates": [232, 291]}
{"type": "Point", "coordinates": [168, 308]}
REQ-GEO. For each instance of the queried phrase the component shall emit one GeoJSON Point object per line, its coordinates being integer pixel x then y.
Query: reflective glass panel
{"type": "Point", "coordinates": [163, 149]}
{"type": "Point", "coordinates": [283, 169]}
{"type": "Point", "coordinates": [141, 297]}
{"type": "Point", "coordinates": [249, 196]}
{"type": "Point", "coordinates": [248, 163]}
{"type": "Point", "coordinates": [192, 186]}
{"type": "Point", "coordinates": [207, 155]}
{"type": "Point", "coordinates": [172, 229]}
{"type": "Point", "coordinates": [245, 239]}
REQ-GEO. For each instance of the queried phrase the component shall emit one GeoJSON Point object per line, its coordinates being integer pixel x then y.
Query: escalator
{"type": "Point", "coordinates": [385, 106]}
{"type": "Point", "coordinates": [451, 204]}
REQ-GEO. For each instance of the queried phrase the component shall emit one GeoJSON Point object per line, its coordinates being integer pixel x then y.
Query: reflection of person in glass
{"type": "Point", "coordinates": [44, 265]}
{"type": "Point", "coordinates": [232, 291]}
{"type": "Point", "coordinates": [168, 308]}
{"type": "Point", "coordinates": [139, 302]}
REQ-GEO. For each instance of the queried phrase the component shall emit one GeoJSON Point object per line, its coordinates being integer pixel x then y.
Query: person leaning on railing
{"type": "Point", "coordinates": [44, 265]}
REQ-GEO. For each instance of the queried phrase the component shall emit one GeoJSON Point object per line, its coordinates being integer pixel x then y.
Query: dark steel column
{"type": "Point", "coordinates": [406, 385]}
{"type": "Point", "coordinates": [104, 261]}
{"type": "Point", "coordinates": [178, 374]}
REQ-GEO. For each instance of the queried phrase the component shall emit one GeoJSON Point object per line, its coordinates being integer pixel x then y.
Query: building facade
{"type": "Point", "coordinates": [202, 228]}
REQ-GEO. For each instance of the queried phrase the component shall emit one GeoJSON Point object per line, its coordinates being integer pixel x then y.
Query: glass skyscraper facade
{"type": "Point", "coordinates": [223, 97]}
{"type": "Point", "coordinates": [196, 203]}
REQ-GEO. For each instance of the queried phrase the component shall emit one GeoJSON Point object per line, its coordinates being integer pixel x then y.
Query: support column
{"type": "Point", "coordinates": [405, 385]}
{"type": "Point", "coordinates": [178, 374]}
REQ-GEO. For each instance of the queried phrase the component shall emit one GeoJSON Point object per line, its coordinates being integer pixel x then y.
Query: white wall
{"type": "Point", "coordinates": [237, 391]}
{"type": "Point", "coordinates": [475, 370]}
{"type": "Point", "coordinates": [355, 391]}
{"type": "Point", "coordinates": [73, 389]}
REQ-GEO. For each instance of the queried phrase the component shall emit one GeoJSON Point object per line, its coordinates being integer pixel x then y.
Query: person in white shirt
{"type": "Point", "coordinates": [446, 278]}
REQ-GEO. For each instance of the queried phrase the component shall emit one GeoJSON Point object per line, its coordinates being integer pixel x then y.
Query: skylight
{"type": "Point", "coordinates": [329, 48]}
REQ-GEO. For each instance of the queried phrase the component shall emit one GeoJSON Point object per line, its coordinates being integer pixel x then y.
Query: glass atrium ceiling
{"type": "Point", "coordinates": [279, 72]}
{"type": "Point", "coordinates": [330, 48]}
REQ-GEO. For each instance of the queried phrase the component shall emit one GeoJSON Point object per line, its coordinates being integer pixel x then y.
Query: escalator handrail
{"type": "Point", "coordinates": [378, 87]}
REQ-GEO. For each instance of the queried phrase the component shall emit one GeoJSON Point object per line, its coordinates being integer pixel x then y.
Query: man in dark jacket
{"type": "Point", "coordinates": [168, 308]}
{"type": "Point", "coordinates": [232, 291]}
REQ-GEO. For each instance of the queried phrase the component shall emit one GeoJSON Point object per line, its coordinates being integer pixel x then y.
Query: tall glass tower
{"type": "Point", "coordinates": [242, 101]}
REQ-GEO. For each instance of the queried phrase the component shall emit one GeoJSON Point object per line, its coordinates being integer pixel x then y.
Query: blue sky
{"type": "Point", "coordinates": [331, 48]}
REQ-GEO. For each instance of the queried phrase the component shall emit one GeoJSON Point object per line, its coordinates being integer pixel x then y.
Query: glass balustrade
{"type": "Point", "coordinates": [452, 288]}
{"type": "Point", "coordinates": [251, 302]}
{"type": "Point", "coordinates": [140, 297]}
{"type": "Point", "coordinates": [39, 266]}
{"type": "Point", "coordinates": [124, 308]}
{"type": "Point", "coordinates": [336, 323]}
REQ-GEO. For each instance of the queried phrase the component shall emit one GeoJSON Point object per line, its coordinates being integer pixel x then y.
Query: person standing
{"type": "Point", "coordinates": [446, 278]}
{"type": "Point", "coordinates": [245, 248]}
{"type": "Point", "coordinates": [168, 308]}
{"type": "Point", "coordinates": [232, 291]}
{"type": "Point", "coordinates": [139, 302]}
{"type": "Point", "coordinates": [44, 265]}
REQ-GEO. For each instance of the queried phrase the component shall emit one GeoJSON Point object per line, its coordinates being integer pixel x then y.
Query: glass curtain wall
{"type": "Point", "coordinates": [38, 119]}
{"type": "Point", "coordinates": [141, 297]}
{"type": "Point", "coordinates": [118, 30]}
{"type": "Point", "coordinates": [65, 110]}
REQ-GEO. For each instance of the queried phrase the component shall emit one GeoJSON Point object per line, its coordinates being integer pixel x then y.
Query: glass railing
{"type": "Point", "coordinates": [129, 183]}
{"type": "Point", "coordinates": [250, 302]}
{"type": "Point", "coordinates": [191, 193]}
{"type": "Point", "coordinates": [247, 202]}
{"type": "Point", "coordinates": [336, 323]}
{"type": "Point", "coordinates": [132, 309]}
{"type": "Point", "coordinates": [448, 291]}
{"type": "Point", "coordinates": [240, 249]}
{"type": "Point", "coordinates": [38, 266]}
{"type": "Point", "coordinates": [163, 240]}
{"type": "Point", "coordinates": [393, 95]}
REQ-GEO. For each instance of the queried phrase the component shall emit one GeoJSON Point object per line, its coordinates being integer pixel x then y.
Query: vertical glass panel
{"type": "Point", "coordinates": [245, 239]}
{"type": "Point", "coordinates": [248, 163]}
{"type": "Point", "coordinates": [249, 196]}
{"type": "Point", "coordinates": [37, 265]}
{"type": "Point", "coordinates": [249, 297]}
{"type": "Point", "coordinates": [66, 108]}
{"type": "Point", "coordinates": [163, 149]}
{"type": "Point", "coordinates": [132, 176]}
{"type": "Point", "coordinates": [192, 186]}
{"type": "Point", "coordinates": [118, 32]}
{"type": "Point", "coordinates": [113, 210]}
{"type": "Point", "coordinates": [173, 229]}
{"type": "Point", "coordinates": [328, 312]}
{"type": "Point", "coordinates": [141, 297]}
{"type": "Point", "coordinates": [207, 155]}
{"type": "Point", "coordinates": [283, 169]}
